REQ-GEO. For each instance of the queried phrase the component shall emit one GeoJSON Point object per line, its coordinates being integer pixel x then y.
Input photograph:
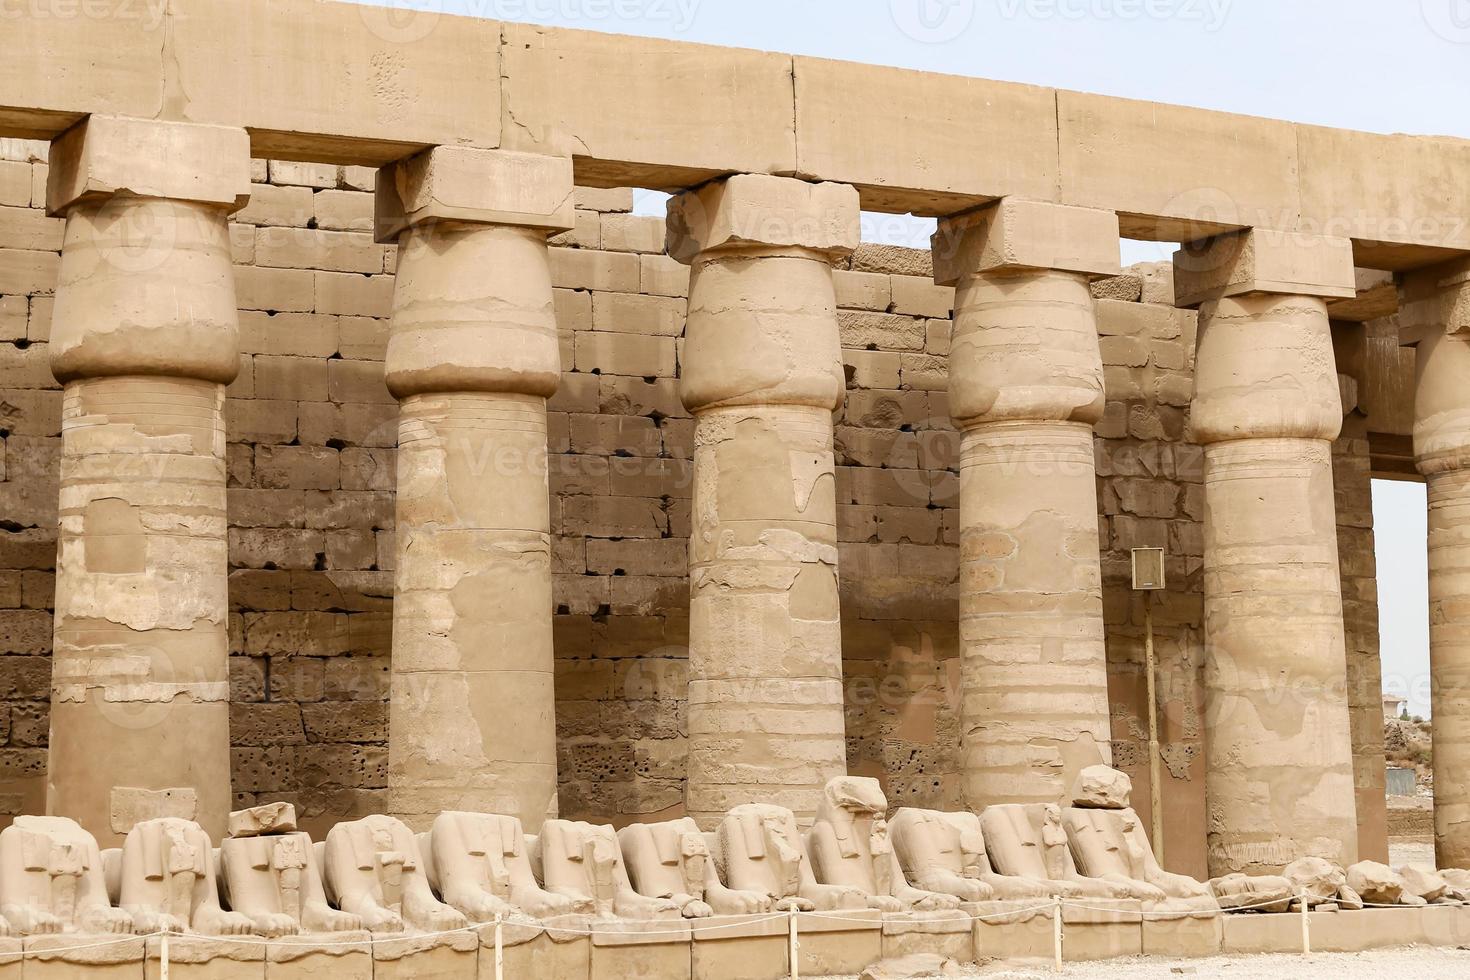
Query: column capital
{"type": "Point", "coordinates": [1016, 235]}
{"type": "Point", "coordinates": [455, 183]}
{"type": "Point", "coordinates": [1434, 300]}
{"type": "Point", "coordinates": [1262, 260]}
{"type": "Point", "coordinates": [760, 211]}
{"type": "Point", "coordinates": [106, 155]}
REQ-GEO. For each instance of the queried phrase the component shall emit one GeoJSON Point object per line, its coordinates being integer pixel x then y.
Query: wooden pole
{"type": "Point", "coordinates": [795, 947]}
{"type": "Point", "coordinates": [1155, 769]}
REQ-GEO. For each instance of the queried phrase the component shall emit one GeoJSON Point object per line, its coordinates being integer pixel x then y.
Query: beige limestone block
{"type": "Point", "coordinates": [757, 210]}
{"type": "Point", "coordinates": [1015, 234]}
{"type": "Point", "coordinates": [1442, 450]}
{"type": "Point", "coordinates": [640, 112]}
{"type": "Point", "coordinates": [343, 957]}
{"type": "Point", "coordinates": [472, 357]}
{"type": "Point", "coordinates": [201, 958]}
{"type": "Point", "coordinates": [334, 83]}
{"type": "Point", "coordinates": [531, 950]}
{"type": "Point", "coordinates": [1266, 406]}
{"type": "Point", "coordinates": [67, 957]}
{"type": "Point", "coordinates": [762, 376]}
{"type": "Point", "coordinates": [106, 155]}
{"type": "Point", "coordinates": [1397, 196]}
{"type": "Point", "coordinates": [117, 67]}
{"type": "Point", "coordinates": [1261, 260]}
{"type": "Point", "coordinates": [1025, 389]}
{"type": "Point", "coordinates": [453, 183]}
{"type": "Point", "coordinates": [849, 116]}
{"type": "Point", "coordinates": [1181, 195]}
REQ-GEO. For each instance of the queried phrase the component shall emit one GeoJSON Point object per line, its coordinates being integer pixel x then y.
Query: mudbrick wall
{"type": "Point", "coordinates": [311, 432]}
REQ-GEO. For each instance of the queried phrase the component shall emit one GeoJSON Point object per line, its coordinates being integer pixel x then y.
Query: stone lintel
{"type": "Point", "coordinates": [1017, 235]}
{"type": "Point", "coordinates": [1434, 299]}
{"type": "Point", "coordinates": [105, 155]}
{"type": "Point", "coordinates": [759, 210]}
{"type": "Point", "coordinates": [454, 183]}
{"type": "Point", "coordinates": [1258, 260]}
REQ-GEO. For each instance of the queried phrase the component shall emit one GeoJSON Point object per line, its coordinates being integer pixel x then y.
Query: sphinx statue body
{"type": "Point", "coordinates": [1109, 844]}
{"type": "Point", "coordinates": [480, 864]}
{"type": "Point", "coordinates": [1029, 841]}
{"type": "Point", "coordinates": [849, 844]}
{"type": "Point", "coordinates": [374, 870]}
{"type": "Point", "coordinates": [168, 881]}
{"type": "Point", "coordinates": [673, 860]}
{"type": "Point", "coordinates": [52, 881]}
{"type": "Point", "coordinates": [583, 863]}
{"type": "Point", "coordinates": [758, 848]}
{"type": "Point", "coordinates": [271, 875]}
{"type": "Point", "coordinates": [945, 852]}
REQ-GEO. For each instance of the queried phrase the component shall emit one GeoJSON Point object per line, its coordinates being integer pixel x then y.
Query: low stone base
{"type": "Point", "coordinates": [1185, 937]}
{"type": "Point", "coordinates": [69, 957]}
{"type": "Point", "coordinates": [949, 934]}
{"type": "Point", "coordinates": [200, 958]}
{"type": "Point", "coordinates": [451, 957]}
{"type": "Point", "coordinates": [1352, 932]}
{"type": "Point", "coordinates": [643, 951]}
{"type": "Point", "coordinates": [1263, 932]}
{"type": "Point", "coordinates": [1102, 930]}
{"type": "Point", "coordinates": [838, 943]}
{"type": "Point", "coordinates": [1446, 925]}
{"type": "Point", "coordinates": [1012, 930]}
{"type": "Point", "coordinates": [341, 956]}
{"type": "Point", "coordinates": [741, 947]}
{"type": "Point", "coordinates": [540, 952]}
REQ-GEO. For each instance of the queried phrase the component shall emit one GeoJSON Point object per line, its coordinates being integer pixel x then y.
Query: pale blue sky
{"type": "Point", "coordinates": [1381, 65]}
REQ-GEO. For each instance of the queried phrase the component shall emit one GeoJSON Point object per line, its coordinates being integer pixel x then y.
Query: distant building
{"type": "Point", "coordinates": [1393, 707]}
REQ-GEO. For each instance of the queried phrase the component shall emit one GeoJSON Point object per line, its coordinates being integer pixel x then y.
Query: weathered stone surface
{"type": "Point", "coordinates": [1316, 878]}
{"type": "Point", "coordinates": [765, 690]}
{"type": "Point", "coordinates": [1378, 884]}
{"type": "Point", "coordinates": [1034, 683]}
{"type": "Point", "coordinates": [472, 704]}
{"type": "Point", "coordinates": [1266, 420]}
{"type": "Point", "coordinates": [1103, 788]}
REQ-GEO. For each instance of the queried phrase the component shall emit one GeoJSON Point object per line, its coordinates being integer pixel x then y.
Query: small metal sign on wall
{"type": "Point", "coordinates": [1148, 569]}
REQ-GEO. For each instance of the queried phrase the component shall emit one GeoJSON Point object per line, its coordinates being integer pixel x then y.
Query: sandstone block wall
{"type": "Point", "coordinates": [311, 431]}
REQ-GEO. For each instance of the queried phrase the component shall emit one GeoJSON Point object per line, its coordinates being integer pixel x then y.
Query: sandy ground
{"type": "Point", "coordinates": [1398, 964]}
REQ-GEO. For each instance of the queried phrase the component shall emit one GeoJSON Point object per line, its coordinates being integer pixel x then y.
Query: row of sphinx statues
{"type": "Point", "coordinates": [268, 878]}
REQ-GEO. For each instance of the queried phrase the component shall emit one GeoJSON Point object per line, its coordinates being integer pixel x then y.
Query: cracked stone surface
{"type": "Point", "coordinates": [472, 358]}
{"type": "Point", "coordinates": [1266, 407]}
{"type": "Point", "coordinates": [1025, 390]}
{"type": "Point", "coordinates": [762, 376]}
{"type": "Point", "coordinates": [145, 341]}
{"type": "Point", "coordinates": [1442, 445]}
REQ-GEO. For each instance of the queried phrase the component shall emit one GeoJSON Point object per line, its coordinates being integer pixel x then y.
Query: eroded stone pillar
{"type": "Point", "coordinates": [472, 357]}
{"type": "Point", "coordinates": [1025, 389]}
{"type": "Point", "coordinates": [1436, 313]}
{"type": "Point", "coordinates": [144, 341]}
{"type": "Point", "coordinates": [1279, 782]}
{"type": "Point", "coordinates": [762, 374]}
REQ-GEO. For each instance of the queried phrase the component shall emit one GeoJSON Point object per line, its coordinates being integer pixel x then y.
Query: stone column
{"type": "Point", "coordinates": [1025, 389]}
{"type": "Point", "coordinates": [472, 357]}
{"type": "Point", "coordinates": [762, 374]}
{"type": "Point", "coordinates": [144, 342]}
{"type": "Point", "coordinates": [1279, 782]}
{"type": "Point", "coordinates": [1436, 313]}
